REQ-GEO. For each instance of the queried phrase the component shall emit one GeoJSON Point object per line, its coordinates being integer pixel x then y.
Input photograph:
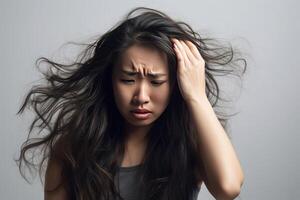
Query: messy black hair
{"type": "Point", "coordinates": [82, 127]}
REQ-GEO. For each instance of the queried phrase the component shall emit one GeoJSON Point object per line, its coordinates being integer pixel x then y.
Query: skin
{"type": "Point", "coordinates": [142, 91]}
{"type": "Point", "coordinates": [222, 173]}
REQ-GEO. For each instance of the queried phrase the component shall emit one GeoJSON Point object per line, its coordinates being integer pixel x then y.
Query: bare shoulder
{"type": "Point", "coordinates": [54, 189]}
{"type": "Point", "coordinates": [54, 186]}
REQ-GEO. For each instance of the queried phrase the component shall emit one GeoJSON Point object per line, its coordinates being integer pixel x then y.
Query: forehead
{"type": "Point", "coordinates": [146, 58]}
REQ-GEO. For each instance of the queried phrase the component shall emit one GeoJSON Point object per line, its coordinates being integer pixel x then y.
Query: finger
{"type": "Point", "coordinates": [188, 51]}
{"type": "Point", "coordinates": [183, 53]}
{"type": "Point", "coordinates": [179, 56]}
{"type": "Point", "coordinates": [194, 49]}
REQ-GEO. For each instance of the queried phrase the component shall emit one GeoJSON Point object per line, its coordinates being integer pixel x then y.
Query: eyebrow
{"type": "Point", "coordinates": [153, 75]}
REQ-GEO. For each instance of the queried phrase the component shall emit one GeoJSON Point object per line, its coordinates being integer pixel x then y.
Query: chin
{"type": "Point", "coordinates": [139, 122]}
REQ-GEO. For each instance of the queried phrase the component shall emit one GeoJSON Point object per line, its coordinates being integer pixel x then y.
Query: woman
{"type": "Point", "coordinates": [133, 118]}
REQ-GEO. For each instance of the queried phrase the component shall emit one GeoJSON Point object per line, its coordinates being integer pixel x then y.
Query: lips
{"type": "Point", "coordinates": [141, 116]}
{"type": "Point", "coordinates": [141, 111]}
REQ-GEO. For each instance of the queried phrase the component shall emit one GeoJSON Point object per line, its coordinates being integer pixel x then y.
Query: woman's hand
{"type": "Point", "coordinates": [190, 70]}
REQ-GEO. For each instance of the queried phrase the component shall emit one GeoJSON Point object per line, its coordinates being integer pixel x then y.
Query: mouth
{"type": "Point", "coordinates": [140, 115]}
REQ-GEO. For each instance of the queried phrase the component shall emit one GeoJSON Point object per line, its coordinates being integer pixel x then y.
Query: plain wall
{"type": "Point", "coordinates": [265, 133]}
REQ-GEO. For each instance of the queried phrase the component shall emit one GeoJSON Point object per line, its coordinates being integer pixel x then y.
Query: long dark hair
{"type": "Point", "coordinates": [82, 127]}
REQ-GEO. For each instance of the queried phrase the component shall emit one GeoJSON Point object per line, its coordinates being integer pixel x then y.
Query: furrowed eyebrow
{"type": "Point", "coordinates": [153, 75]}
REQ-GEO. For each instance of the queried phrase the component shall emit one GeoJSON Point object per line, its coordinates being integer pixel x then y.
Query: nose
{"type": "Point", "coordinates": [141, 95]}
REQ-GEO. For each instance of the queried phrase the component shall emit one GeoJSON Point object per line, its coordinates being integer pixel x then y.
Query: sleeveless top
{"type": "Point", "coordinates": [127, 183]}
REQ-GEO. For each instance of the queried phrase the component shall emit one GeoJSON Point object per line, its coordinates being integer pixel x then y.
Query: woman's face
{"type": "Point", "coordinates": [141, 81]}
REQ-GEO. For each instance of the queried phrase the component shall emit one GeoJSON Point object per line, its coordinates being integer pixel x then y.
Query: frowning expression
{"type": "Point", "coordinates": [141, 81]}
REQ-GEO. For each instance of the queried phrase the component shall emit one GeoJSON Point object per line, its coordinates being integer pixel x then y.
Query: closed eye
{"type": "Point", "coordinates": [157, 83]}
{"type": "Point", "coordinates": [126, 80]}
{"type": "Point", "coordinates": [153, 82]}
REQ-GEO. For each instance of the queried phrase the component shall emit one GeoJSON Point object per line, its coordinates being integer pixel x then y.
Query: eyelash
{"type": "Point", "coordinates": [155, 83]}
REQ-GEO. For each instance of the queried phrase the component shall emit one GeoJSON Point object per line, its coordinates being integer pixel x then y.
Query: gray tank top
{"type": "Point", "coordinates": [127, 182]}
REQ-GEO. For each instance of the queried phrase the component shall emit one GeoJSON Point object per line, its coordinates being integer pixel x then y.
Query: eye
{"type": "Point", "coordinates": [157, 83]}
{"type": "Point", "coordinates": [126, 81]}
{"type": "Point", "coordinates": [153, 82]}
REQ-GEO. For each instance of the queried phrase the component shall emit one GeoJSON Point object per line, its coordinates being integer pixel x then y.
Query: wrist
{"type": "Point", "coordinates": [202, 101]}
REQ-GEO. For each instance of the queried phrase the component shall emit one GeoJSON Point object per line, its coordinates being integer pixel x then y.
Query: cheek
{"type": "Point", "coordinates": [121, 94]}
{"type": "Point", "coordinates": [161, 96]}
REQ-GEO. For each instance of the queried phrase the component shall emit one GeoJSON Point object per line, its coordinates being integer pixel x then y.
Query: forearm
{"type": "Point", "coordinates": [222, 167]}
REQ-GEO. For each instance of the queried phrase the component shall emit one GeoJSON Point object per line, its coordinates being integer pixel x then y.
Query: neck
{"type": "Point", "coordinates": [135, 144]}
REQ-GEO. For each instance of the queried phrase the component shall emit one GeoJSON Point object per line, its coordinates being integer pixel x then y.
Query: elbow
{"type": "Point", "coordinates": [229, 191]}
{"type": "Point", "coordinates": [228, 194]}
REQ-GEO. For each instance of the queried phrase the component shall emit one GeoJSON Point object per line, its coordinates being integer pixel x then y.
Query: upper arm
{"type": "Point", "coordinates": [199, 178]}
{"type": "Point", "coordinates": [54, 189]}
{"type": "Point", "coordinates": [217, 191]}
{"type": "Point", "coordinates": [202, 177]}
